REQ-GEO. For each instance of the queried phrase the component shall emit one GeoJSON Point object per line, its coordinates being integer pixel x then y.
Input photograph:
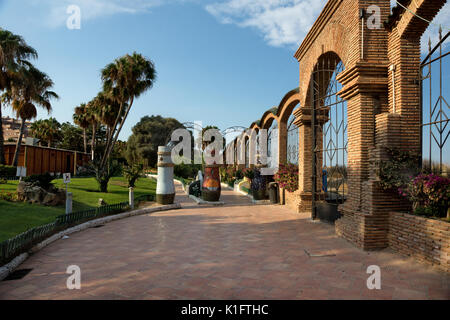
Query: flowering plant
{"type": "Point", "coordinates": [429, 191]}
{"type": "Point", "coordinates": [8, 196]}
{"type": "Point", "coordinates": [287, 177]}
{"type": "Point", "coordinates": [227, 174]}
{"type": "Point", "coordinates": [248, 173]}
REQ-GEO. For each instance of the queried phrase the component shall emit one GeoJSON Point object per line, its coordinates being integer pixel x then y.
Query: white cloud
{"type": "Point", "coordinates": [281, 22]}
{"type": "Point", "coordinates": [286, 22]}
{"type": "Point", "coordinates": [432, 32]}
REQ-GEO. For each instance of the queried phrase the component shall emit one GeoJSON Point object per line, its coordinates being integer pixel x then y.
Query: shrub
{"type": "Point", "coordinates": [132, 174]}
{"type": "Point", "coordinates": [248, 173]}
{"type": "Point", "coordinates": [430, 194]}
{"type": "Point", "coordinates": [287, 177]}
{"type": "Point", "coordinates": [187, 171]}
{"type": "Point", "coordinates": [3, 181]}
{"type": "Point", "coordinates": [238, 174]}
{"type": "Point", "coordinates": [227, 174]}
{"type": "Point", "coordinates": [42, 180]}
{"type": "Point", "coordinates": [7, 171]}
{"type": "Point", "coordinates": [398, 170]}
{"type": "Point", "coordinates": [86, 171]}
{"type": "Point", "coordinates": [8, 196]}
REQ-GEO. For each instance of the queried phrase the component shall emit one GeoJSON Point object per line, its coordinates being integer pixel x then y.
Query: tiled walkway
{"type": "Point", "coordinates": [239, 251]}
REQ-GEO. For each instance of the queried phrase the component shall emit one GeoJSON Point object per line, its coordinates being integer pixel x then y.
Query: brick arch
{"type": "Point", "coordinates": [335, 39]}
{"type": "Point", "coordinates": [321, 63]}
{"type": "Point", "coordinates": [267, 119]}
{"type": "Point", "coordinates": [288, 104]}
{"type": "Point", "coordinates": [255, 126]}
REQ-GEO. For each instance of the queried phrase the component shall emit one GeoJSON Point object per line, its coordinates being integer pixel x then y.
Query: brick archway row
{"type": "Point", "coordinates": [383, 107]}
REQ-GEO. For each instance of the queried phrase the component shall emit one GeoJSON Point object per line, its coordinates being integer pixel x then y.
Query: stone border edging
{"type": "Point", "coordinates": [17, 261]}
{"type": "Point", "coordinates": [203, 202]}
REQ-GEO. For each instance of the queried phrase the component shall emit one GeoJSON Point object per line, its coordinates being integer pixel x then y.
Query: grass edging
{"type": "Point", "coordinates": [11, 266]}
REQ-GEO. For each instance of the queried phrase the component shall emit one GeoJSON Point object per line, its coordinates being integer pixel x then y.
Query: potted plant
{"type": "Point", "coordinates": [258, 185]}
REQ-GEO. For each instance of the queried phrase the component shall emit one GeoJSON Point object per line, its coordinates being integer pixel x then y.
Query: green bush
{"type": "Point", "coordinates": [7, 171]}
{"type": "Point", "coordinates": [187, 171]}
{"type": "Point", "coordinates": [42, 180]}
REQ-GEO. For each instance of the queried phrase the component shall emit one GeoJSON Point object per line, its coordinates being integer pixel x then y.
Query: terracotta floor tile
{"type": "Point", "coordinates": [237, 251]}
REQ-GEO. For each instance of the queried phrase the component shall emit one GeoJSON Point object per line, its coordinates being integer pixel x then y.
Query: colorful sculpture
{"type": "Point", "coordinates": [211, 183]}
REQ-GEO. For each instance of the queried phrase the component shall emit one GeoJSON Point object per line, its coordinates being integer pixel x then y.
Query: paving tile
{"type": "Point", "coordinates": [238, 251]}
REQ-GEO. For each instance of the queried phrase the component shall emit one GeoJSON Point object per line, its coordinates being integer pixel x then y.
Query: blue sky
{"type": "Point", "coordinates": [220, 62]}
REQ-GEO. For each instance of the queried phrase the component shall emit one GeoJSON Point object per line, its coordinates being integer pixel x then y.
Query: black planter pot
{"type": "Point", "coordinates": [259, 194]}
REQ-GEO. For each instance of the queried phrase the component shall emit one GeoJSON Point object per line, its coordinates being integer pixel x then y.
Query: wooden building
{"type": "Point", "coordinates": [40, 160]}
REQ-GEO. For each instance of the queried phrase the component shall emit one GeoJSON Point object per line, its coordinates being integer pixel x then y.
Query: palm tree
{"type": "Point", "coordinates": [38, 130]}
{"type": "Point", "coordinates": [14, 53]}
{"type": "Point", "coordinates": [107, 111]}
{"type": "Point", "coordinates": [28, 89]}
{"type": "Point", "coordinates": [92, 116]}
{"type": "Point", "coordinates": [51, 130]}
{"type": "Point", "coordinates": [123, 81]}
{"type": "Point", "coordinates": [80, 119]}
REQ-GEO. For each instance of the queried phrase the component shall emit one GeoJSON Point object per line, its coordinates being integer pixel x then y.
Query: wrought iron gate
{"type": "Point", "coordinates": [292, 141]}
{"type": "Point", "coordinates": [435, 109]}
{"type": "Point", "coordinates": [272, 145]}
{"type": "Point", "coordinates": [329, 139]}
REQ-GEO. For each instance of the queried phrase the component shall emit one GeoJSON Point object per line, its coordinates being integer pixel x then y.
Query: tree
{"type": "Point", "coordinates": [124, 80]}
{"type": "Point", "coordinates": [132, 173]}
{"type": "Point", "coordinates": [14, 53]}
{"type": "Point", "coordinates": [28, 89]}
{"type": "Point", "coordinates": [80, 119]}
{"type": "Point", "coordinates": [148, 134]}
{"type": "Point", "coordinates": [48, 130]}
{"type": "Point", "coordinates": [92, 116]}
{"type": "Point", "coordinates": [70, 137]}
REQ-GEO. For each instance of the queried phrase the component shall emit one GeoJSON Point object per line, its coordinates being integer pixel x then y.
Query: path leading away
{"type": "Point", "coordinates": [238, 251]}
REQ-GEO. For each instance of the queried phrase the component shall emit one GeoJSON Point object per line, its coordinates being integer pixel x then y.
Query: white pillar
{"type": "Point", "coordinates": [69, 201]}
{"type": "Point", "coordinates": [165, 188]}
{"type": "Point", "coordinates": [131, 197]}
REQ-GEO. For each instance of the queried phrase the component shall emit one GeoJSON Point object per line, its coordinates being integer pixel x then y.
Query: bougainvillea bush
{"type": "Point", "coordinates": [287, 177]}
{"type": "Point", "coordinates": [430, 194]}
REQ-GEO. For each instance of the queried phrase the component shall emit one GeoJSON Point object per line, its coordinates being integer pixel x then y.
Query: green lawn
{"type": "Point", "coordinates": [19, 217]}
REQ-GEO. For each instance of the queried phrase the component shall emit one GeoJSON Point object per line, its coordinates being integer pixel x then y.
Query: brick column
{"type": "Point", "coordinates": [303, 122]}
{"type": "Point", "coordinates": [282, 141]}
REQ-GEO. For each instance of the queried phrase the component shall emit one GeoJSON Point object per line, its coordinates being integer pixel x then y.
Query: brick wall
{"type": "Point", "coordinates": [427, 240]}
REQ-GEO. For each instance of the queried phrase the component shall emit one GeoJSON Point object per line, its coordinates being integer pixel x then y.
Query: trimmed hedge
{"type": "Point", "coordinates": [7, 171]}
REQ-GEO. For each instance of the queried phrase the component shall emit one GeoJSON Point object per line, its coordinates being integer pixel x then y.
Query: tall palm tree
{"type": "Point", "coordinates": [123, 81]}
{"type": "Point", "coordinates": [92, 116]}
{"type": "Point", "coordinates": [80, 119]}
{"type": "Point", "coordinates": [28, 89]}
{"type": "Point", "coordinates": [108, 110]}
{"type": "Point", "coordinates": [14, 53]}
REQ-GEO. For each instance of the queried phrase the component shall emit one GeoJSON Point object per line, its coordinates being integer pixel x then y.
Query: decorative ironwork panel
{"type": "Point", "coordinates": [330, 124]}
{"type": "Point", "coordinates": [292, 144]}
{"type": "Point", "coordinates": [272, 145]}
{"type": "Point", "coordinates": [435, 109]}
